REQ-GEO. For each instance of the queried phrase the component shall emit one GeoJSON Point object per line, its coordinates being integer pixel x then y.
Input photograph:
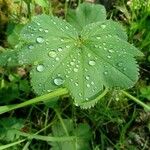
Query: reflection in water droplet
{"type": "Point", "coordinates": [40, 68]}
{"type": "Point", "coordinates": [108, 56]}
{"type": "Point", "coordinates": [124, 69]}
{"type": "Point", "coordinates": [58, 81]}
{"type": "Point", "coordinates": [52, 54]}
{"type": "Point", "coordinates": [91, 62]}
{"type": "Point", "coordinates": [40, 29]}
{"type": "Point", "coordinates": [40, 39]}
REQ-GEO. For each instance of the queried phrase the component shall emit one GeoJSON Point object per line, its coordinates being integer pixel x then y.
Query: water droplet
{"type": "Point", "coordinates": [110, 51]}
{"type": "Point", "coordinates": [108, 56]}
{"type": "Point", "coordinates": [105, 72]}
{"type": "Point", "coordinates": [87, 77]}
{"type": "Point", "coordinates": [40, 68]}
{"type": "Point", "coordinates": [72, 63]}
{"type": "Point", "coordinates": [52, 54]}
{"type": "Point", "coordinates": [66, 76]}
{"type": "Point", "coordinates": [80, 94]}
{"type": "Point", "coordinates": [119, 64]}
{"type": "Point", "coordinates": [86, 99]}
{"type": "Point", "coordinates": [92, 83]}
{"type": "Point", "coordinates": [124, 69]}
{"type": "Point", "coordinates": [40, 29]}
{"type": "Point", "coordinates": [59, 49]}
{"type": "Point", "coordinates": [57, 58]}
{"type": "Point", "coordinates": [96, 46]}
{"type": "Point", "coordinates": [89, 55]}
{"type": "Point", "coordinates": [40, 39]}
{"type": "Point", "coordinates": [88, 85]}
{"type": "Point", "coordinates": [76, 84]}
{"type": "Point", "coordinates": [67, 27]}
{"type": "Point", "coordinates": [91, 62]}
{"type": "Point", "coordinates": [61, 40]}
{"type": "Point", "coordinates": [75, 69]}
{"type": "Point", "coordinates": [38, 24]}
{"type": "Point", "coordinates": [104, 43]}
{"type": "Point", "coordinates": [67, 46]}
{"type": "Point", "coordinates": [31, 46]}
{"type": "Point", "coordinates": [46, 31]}
{"type": "Point", "coordinates": [103, 26]}
{"type": "Point", "coordinates": [98, 37]}
{"type": "Point", "coordinates": [58, 81]}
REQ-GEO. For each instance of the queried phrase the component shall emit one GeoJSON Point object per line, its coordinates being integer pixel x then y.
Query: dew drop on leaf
{"type": "Point", "coordinates": [108, 56]}
{"type": "Point", "coordinates": [76, 84]}
{"type": "Point", "coordinates": [46, 31]}
{"type": "Point", "coordinates": [52, 54]}
{"type": "Point", "coordinates": [31, 46]}
{"type": "Point", "coordinates": [87, 77]}
{"type": "Point", "coordinates": [88, 85]}
{"type": "Point", "coordinates": [75, 70]}
{"type": "Point", "coordinates": [40, 68]}
{"type": "Point", "coordinates": [105, 73]}
{"type": "Point", "coordinates": [98, 37]}
{"type": "Point", "coordinates": [110, 51]}
{"type": "Point", "coordinates": [39, 39]}
{"type": "Point", "coordinates": [119, 64]}
{"type": "Point", "coordinates": [103, 26]}
{"type": "Point", "coordinates": [57, 58]}
{"type": "Point", "coordinates": [58, 81]}
{"type": "Point", "coordinates": [59, 49]}
{"type": "Point", "coordinates": [91, 62]}
{"type": "Point", "coordinates": [72, 63]}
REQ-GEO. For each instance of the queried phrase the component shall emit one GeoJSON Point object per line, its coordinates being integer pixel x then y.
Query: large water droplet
{"type": "Point", "coordinates": [40, 68]}
{"type": "Point", "coordinates": [58, 81]}
{"type": "Point", "coordinates": [52, 54]}
{"type": "Point", "coordinates": [91, 62]}
{"type": "Point", "coordinates": [40, 39]}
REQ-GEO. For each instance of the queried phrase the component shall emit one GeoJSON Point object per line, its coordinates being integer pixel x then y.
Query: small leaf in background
{"type": "Point", "coordinates": [8, 127]}
{"type": "Point", "coordinates": [145, 92]}
{"type": "Point", "coordinates": [82, 132]}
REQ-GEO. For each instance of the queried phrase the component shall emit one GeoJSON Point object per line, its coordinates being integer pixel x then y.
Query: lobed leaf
{"type": "Point", "coordinates": [86, 62]}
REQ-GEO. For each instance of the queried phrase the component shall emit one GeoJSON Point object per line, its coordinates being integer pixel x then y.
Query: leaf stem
{"type": "Point", "coordinates": [46, 97]}
{"type": "Point", "coordinates": [136, 100]}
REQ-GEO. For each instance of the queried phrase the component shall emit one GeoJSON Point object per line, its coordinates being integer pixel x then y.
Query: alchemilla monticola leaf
{"type": "Point", "coordinates": [85, 62]}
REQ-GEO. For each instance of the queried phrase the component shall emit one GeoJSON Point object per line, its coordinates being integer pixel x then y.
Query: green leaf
{"type": "Point", "coordinates": [8, 127]}
{"type": "Point", "coordinates": [82, 132]}
{"type": "Point", "coordinates": [85, 14]}
{"type": "Point", "coordinates": [85, 63]}
{"type": "Point", "coordinates": [9, 58]}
